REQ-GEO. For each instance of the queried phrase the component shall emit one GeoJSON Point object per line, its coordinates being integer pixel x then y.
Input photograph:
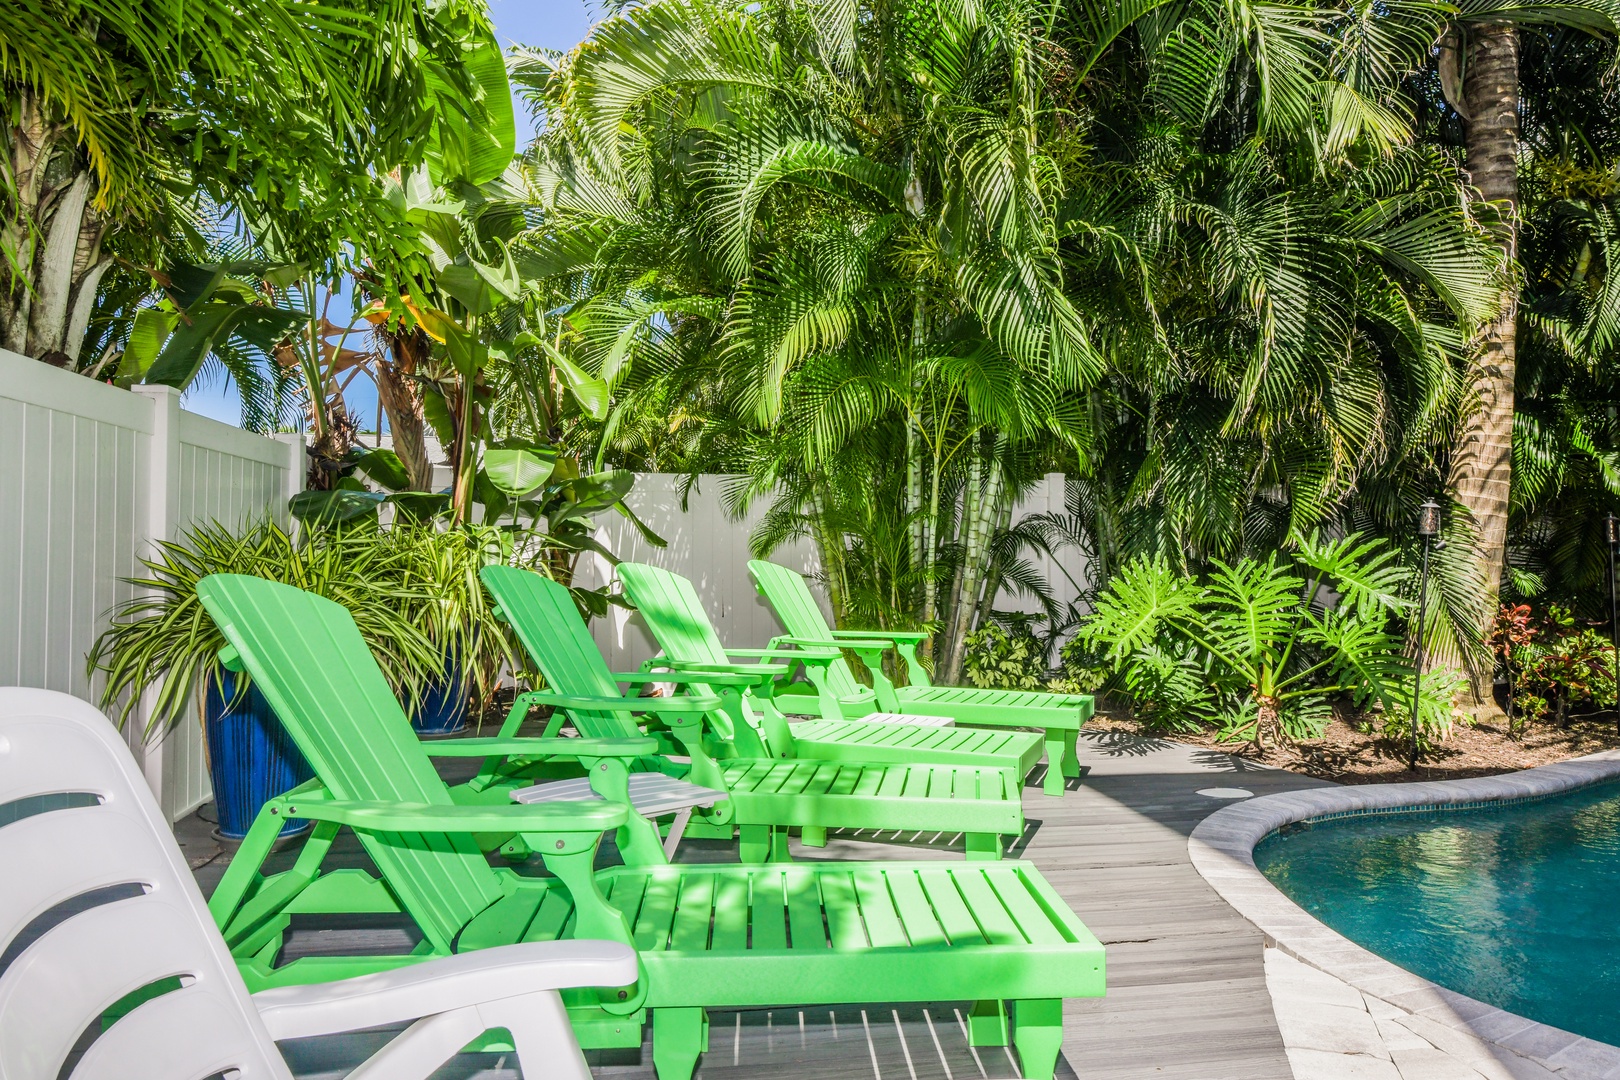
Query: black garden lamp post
{"type": "Point", "coordinates": [1611, 531]}
{"type": "Point", "coordinates": [1428, 528]}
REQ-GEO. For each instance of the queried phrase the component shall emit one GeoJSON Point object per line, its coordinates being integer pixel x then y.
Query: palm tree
{"type": "Point", "coordinates": [932, 248]}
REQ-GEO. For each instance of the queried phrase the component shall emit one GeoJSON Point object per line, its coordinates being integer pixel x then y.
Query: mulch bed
{"type": "Point", "coordinates": [1349, 756]}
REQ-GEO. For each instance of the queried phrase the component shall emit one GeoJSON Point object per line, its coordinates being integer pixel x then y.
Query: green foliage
{"type": "Point", "coordinates": [1554, 662]}
{"type": "Point", "coordinates": [162, 639]}
{"type": "Point", "coordinates": [891, 263]}
{"type": "Point", "coordinates": [1437, 710]}
{"type": "Point", "coordinates": [1254, 646]}
{"type": "Point", "coordinates": [1007, 661]}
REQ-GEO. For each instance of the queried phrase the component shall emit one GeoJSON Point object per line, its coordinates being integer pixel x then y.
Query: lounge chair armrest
{"type": "Point", "coordinates": [584, 820]}
{"type": "Point", "coordinates": [760, 672]}
{"type": "Point", "coordinates": [568, 748]}
{"type": "Point", "coordinates": [828, 647]}
{"type": "Point", "coordinates": [438, 986]}
{"type": "Point", "coordinates": [910, 637]}
{"type": "Point", "coordinates": [680, 678]}
{"type": "Point", "coordinates": [618, 704]}
{"type": "Point", "coordinates": [803, 650]}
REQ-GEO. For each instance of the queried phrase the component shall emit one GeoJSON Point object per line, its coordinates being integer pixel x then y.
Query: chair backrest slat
{"type": "Point", "coordinates": [98, 905]}
{"type": "Point", "coordinates": [542, 614]}
{"type": "Point", "coordinates": [788, 595]}
{"type": "Point", "coordinates": [674, 613]}
{"type": "Point", "coordinates": [307, 657]}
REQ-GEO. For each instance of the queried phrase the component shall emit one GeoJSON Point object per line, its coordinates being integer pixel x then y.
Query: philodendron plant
{"type": "Point", "coordinates": [1261, 646]}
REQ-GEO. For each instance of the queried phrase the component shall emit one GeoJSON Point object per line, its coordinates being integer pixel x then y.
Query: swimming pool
{"type": "Point", "coordinates": [1517, 905]}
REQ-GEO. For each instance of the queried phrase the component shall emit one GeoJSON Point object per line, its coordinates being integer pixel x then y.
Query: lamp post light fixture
{"type": "Point", "coordinates": [1611, 531]}
{"type": "Point", "coordinates": [1428, 528]}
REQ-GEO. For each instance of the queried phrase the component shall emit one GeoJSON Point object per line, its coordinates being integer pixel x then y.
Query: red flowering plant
{"type": "Point", "coordinates": [1552, 663]}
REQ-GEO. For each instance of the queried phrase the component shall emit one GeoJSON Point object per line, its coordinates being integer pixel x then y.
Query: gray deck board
{"type": "Point", "coordinates": [1187, 993]}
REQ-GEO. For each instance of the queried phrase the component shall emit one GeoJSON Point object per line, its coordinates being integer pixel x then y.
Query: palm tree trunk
{"type": "Point", "coordinates": [829, 544]}
{"type": "Point", "coordinates": [986, 512]}
{"type": "Point", "coordinates": [54, 234]}
{"type": "Point", "coordinates": [403, 404]}
{"type": "Point", "coordinates": [917, 523]}
{"type": "Point", "coordinates": [1482, 457]}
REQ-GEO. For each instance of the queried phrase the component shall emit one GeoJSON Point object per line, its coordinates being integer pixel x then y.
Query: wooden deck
{"type": "Point", "coordinates": [1186, 997]}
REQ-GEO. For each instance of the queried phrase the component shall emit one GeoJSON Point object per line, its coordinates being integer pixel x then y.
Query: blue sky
{"type": "Point", "coordinates": [548, 24]}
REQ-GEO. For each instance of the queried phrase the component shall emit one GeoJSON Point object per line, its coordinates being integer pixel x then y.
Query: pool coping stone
{"type": "Point", "coordinates": [1222, 850]}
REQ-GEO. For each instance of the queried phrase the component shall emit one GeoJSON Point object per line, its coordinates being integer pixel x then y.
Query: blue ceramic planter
{"type": "Point", "coordinates": [251, 758]}
{"type": "Point", "coordinates": [444, 706]}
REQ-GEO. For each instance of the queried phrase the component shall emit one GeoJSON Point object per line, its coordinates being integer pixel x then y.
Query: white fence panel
{"type": "Point", "coordinates": [711, 549]}
{"type": "Point", "coordinates": [704, 545]}
{"type": "Point", "coordinates": [90, 475]}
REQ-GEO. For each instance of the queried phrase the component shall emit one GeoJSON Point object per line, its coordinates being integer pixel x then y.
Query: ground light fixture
{"type": "Point", "coordinates": [1428, 528]}
{"type": "Point", "coordinates": [1611, 531]}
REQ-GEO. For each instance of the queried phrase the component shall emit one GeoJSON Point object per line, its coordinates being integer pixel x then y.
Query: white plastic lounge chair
{"type": "Point", "coordinates": [97, 904]}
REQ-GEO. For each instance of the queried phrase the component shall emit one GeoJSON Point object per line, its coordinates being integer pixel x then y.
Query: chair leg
{"type": "Point", "coordinates": [754, 843]}
{"type": "Point", "coordinates": [987, 1023]}
{"type": "Point", "coordinates": [1055, 763]}
{"type": "Point", "coordinates": [982, 845]}
{"type": "Point", "coordinates": [639, 842]}
{"type": "Point", "coordinates": [701, 829]}
{"type": "Point", "coordinates": [429, 1042]}
{"type": "Point", "coordinates": [813, 836]}
{"type": "Point", "coordinates": [680, 1036]}
{"type": "Point", "coordinates": [1038, 1035]}
{"type": "Point", "coordinates": [541, 1033]}
{"type": "Point", "coordinates": [1071, 756]}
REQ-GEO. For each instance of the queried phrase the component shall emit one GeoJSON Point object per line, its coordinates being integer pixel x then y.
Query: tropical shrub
{"type": "Point", "coordinates": [1437, 710]}
{"type": "Point", "coordinates": [1082, 669]}
{"type": "Point", "coordinates": [1553, 663]}
{"type": "Point", "coordinates": [1006, 660]}
{"type": "Point", "coordinates": [1258, 647]}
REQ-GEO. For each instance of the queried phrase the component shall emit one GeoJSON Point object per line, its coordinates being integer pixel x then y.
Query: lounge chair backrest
{"type": "Point", "coordinates": [800, 615]}
{"type": "Point", "coordinates": [307, 657]}
{"type": "Point", "coordinates": [99, 904]}
{"type": "Point", "coordinates": [542, 614]}
{"type": "Point", "coordinates": [674, 613]}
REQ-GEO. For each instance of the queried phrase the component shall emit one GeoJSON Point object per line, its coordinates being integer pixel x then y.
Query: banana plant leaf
{"type": "Point", "coordinates": [421, 505]}
{"type": "Point", "coordinates": [595, 493]}
{"type": "Point", "coordinates": [335, 507]}
{"type": "Point", "coordinates": [384, 468]}
{"type": "Point", "coordinates": [518, 470]}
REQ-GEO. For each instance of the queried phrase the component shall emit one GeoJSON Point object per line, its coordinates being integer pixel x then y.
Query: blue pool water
{"type": "Point", "coordinates": [1516, 905]}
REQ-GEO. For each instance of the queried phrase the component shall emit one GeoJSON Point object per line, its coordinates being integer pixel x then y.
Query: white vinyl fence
{"type": "Point", "coordinates": [712, 549]}
{"type": "Point", "coordinates": [90, 476]}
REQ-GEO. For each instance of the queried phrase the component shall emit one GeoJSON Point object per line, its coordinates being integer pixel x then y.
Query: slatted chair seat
{"type": "Point", "coordinates": [876, 930]}
{"type": "Point", "coordinates": [841, 697]}
{"type": "Point", "coordinates": [860, 795]}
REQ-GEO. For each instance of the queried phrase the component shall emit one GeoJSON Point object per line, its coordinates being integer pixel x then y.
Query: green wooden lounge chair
{"type": "Point", "coordinates": [1060, 716]}
{"type": "Point", "coordinates": [675, 615]}
{"type": "Point", "coordinates": [711, 936]}
{"type": "Point", "coordinates": [766, 793]}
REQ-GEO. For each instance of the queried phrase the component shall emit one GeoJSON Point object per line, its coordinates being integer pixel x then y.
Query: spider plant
{"type": "Point", "coordinates": [439, 569]}
{"type": "Point", "coordinates": [163, 638]}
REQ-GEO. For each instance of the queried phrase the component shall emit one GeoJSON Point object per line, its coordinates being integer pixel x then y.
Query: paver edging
{"type": "Point", "coordinates": [1222, 847]}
